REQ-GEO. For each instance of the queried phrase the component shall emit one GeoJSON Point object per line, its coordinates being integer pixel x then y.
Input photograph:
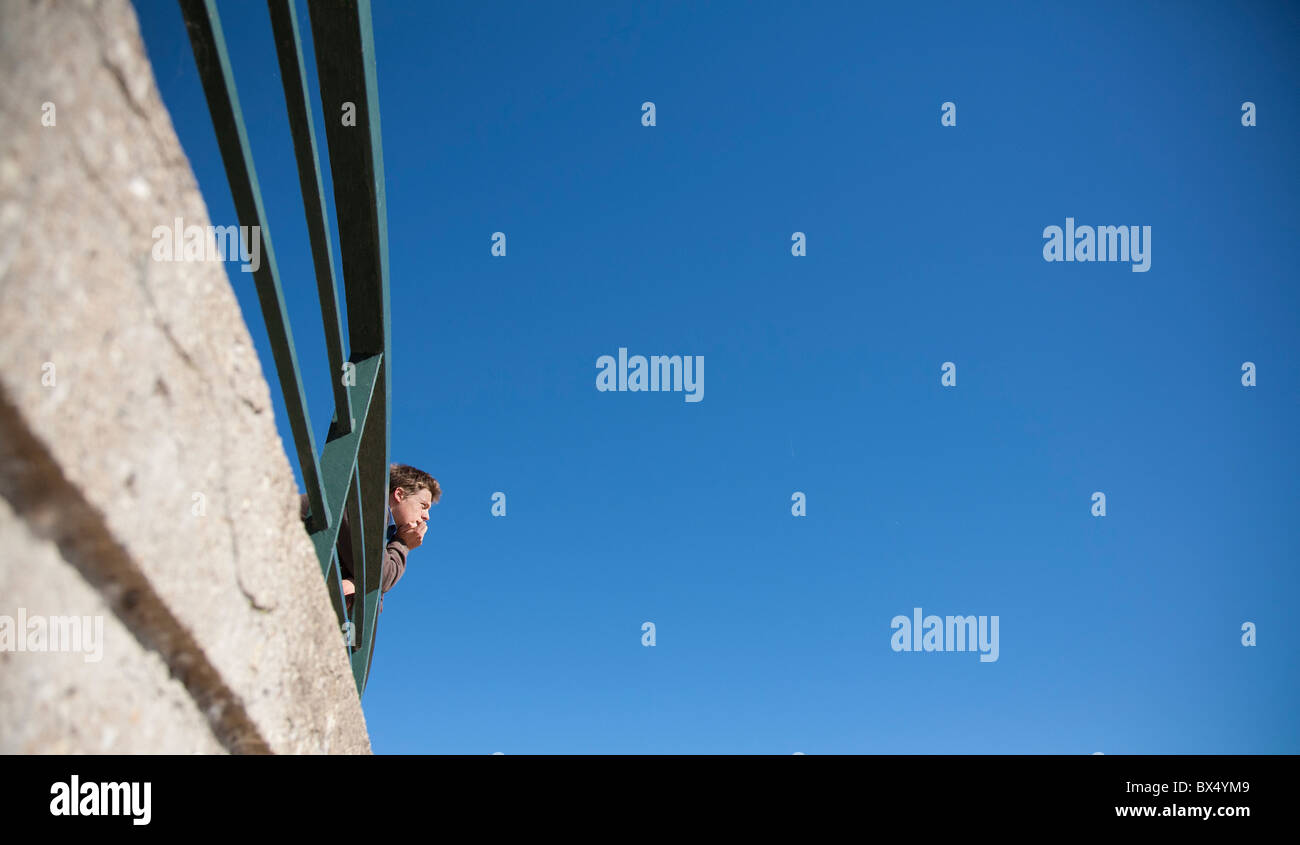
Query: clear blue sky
{"type": "Point", "coordinates": [1119, 633]}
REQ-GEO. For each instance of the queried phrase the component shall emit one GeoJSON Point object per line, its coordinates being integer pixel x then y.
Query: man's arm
{"type": "Point", "coordinates": [401, 539]}
{"type": "Point", "coordinates": [395, 552]}
{"type": "Point", "coordinates": [394, 561]}
{"type": "Point", "coordinates": [393, 569]}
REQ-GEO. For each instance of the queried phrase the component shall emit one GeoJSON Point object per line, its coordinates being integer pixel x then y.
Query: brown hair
{"type": "Point", "coordinates": [412, 481]}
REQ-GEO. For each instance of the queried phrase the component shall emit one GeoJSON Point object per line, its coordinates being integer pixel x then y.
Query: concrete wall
{"type": "Point", "coordinates": [142, 478]}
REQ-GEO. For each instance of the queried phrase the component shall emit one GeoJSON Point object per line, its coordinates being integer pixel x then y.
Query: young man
{"type": "Point", "coordinates": [411, 492]}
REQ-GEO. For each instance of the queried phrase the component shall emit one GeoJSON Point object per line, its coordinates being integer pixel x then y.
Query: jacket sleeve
{"type": "Point", "coordinates": [394, 561]}
{"type": "Point", "coordinates": [394, 555]}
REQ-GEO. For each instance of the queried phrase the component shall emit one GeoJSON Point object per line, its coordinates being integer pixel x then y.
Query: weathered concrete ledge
{"type": "Point", "coordinates": [142, 478]}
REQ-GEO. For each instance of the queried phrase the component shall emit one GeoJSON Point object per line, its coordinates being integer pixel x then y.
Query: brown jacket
{"type": "Point", "coordinates": [394, 555]}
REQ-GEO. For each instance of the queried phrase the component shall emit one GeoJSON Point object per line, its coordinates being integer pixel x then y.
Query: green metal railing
{"type": "Point", "coordinates": [352, 469]}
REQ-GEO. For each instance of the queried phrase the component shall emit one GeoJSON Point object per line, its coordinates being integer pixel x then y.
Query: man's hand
{"type": "Point", "coordinates": [412, 533]}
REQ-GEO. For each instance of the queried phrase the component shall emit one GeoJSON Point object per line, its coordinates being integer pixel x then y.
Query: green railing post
{"type": "Point", "coordinates": [293, 73]}
{"type": "Point", "coordinates": [352, 470]}
{"type": "Point", "coordinates": [210, 55]}
{"type": "Point", "coordinates": [345, 66]}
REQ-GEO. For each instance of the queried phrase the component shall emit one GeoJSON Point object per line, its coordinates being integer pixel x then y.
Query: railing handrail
{"type": "Point", "coordinates": [352, 469]}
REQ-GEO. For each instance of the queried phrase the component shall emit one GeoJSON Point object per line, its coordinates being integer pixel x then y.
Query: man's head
{"type": "Point", "coordinates": [411, 492]}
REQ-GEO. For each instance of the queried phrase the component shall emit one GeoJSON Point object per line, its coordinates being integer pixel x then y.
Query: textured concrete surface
{"type": "Point", "coordinates": [151, 462]}
{"type": "Point", "coordinates": [68, 702]}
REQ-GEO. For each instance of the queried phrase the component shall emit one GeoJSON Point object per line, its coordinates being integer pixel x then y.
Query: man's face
{"type": "Point", "coordinates": [410, 508]}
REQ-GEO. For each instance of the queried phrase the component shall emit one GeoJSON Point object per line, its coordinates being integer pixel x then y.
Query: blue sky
{"type": "Point", "coordinates": [522, 634]}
